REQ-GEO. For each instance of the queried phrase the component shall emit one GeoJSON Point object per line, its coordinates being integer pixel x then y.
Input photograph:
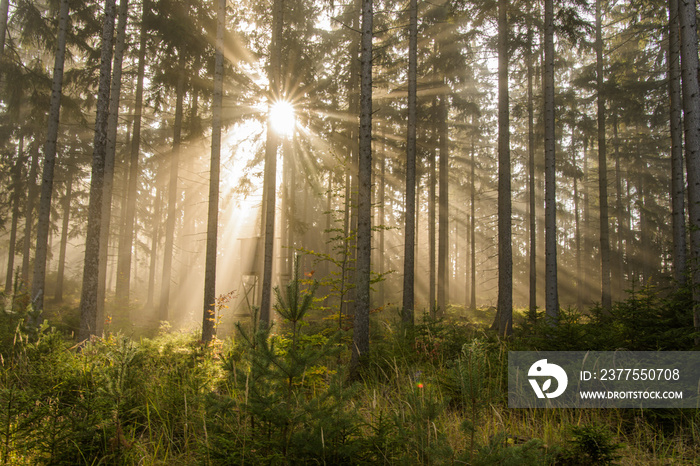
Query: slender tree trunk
{"type": "Point", "coordinates": [191, 199]}
{"type": "Point", "coordinates": [619, 276]}
{"type": "Point", "coordinates": [532, 214]}
{"type": "Point", "coordinates": [472, 222]}
{"type": "Point", "coordinates": [209, 315]}
{"type": "Point", "coordinates": [577, 226]}
{"type": "Point", "coordinates": [16, 197]}
{"type": "Point", "coordinates": [644, 223]}
{"type": "Point", "coordinates": [382, 213]}
{"type": "Point", "coordinates": [677, 178]}
{"type": "Point", "coordinates": [126, 240]}
{"type": "Point", "coordinates": [550, 168]}
{"type": "Point", "coordinates": [89, 324]}
{"type": "Point", "coordinates": [4, 9]}
{"type": "Point", "coordinates": [270, 181]}
{"type": "Point", "coordinates": [168, 250]}
{"type": "Point", "coordinates": [58, 297]}
{"type": "Point", "coordinates": [155, 240]}
{"type": "Point", "coordinates": [352, 183]}
{"type": "Point", "coordinates": [505, 258]}
{"type": "Point", "coordinates": [39, 276]}
{"type": "Point", "coordinates": [606, 298]}
{"type": "Point", "coordinates": [410, 232]}
{"type": "Point", "coordinates": [110, 155]}
{"type": "Point", "coordinates": [360, 349]}
{"type": "Point", "coordinates": [327, 231]}
{"type": "Point", "coordinates": [431, 229]}
{"type": "Point", "coordinates": [443, 208]}
{"type": "Point", "coordinates": [29, 211]}
{"type": "Point", "coordinates": [587, 230]}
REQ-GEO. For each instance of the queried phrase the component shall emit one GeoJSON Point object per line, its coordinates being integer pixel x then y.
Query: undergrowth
{"type": "Point", "coordinates": [435, 393]}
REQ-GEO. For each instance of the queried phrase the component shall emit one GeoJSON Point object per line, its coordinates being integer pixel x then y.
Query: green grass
{"type": "Point", "coordinates": [434, 394]}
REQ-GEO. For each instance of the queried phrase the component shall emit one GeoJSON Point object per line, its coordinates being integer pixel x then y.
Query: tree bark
{"type": "Point", "coordinates": [382, 213]}
{"type": "Point", "coordinates": [29, 211]}
{"type": "Point", "coordinates": [431, 229]}
{"type": "Point", "coordinates": [677, 177]}
{"type": "Point", "coordinates": [577, 225]}
{"type": "Point", "coordinates": [505, 258]}
{"type": "Point", "coordinates": [472, 222]}
{"type": "Point", "coordinates": [110, 154]}
{"type": "Point", "coordinates": [443, 207]}
{"type": "Point", "coordinates": [16, 197]}
{"type": "Point", "coordinates": [550, 168]}
{"type": "Point", "coordinates": [270, 177]}
{"type": "Point", "coordinates": [58, 297]}
{"type": "Point", "coordinates": [410, 231]}
{"type": "Point", "coordinates": [619, 276]}
{"type": "Point", "coordinates": [126, 240]}
{"type": "Point", "coordinates": [209, 315]}
{"type": "Point", "coordinates": [89, 324]}
{"type": "Point", "coordinates": [155, 240]}
{"type": "Point", "coordinates": [360, 349]}
{"type": "Point", "coordinates": [168, 249]}
{"type": "Point", "coordinates": [4, 9]}
{"type": "Point", "coordinates": [532, 214]}
{"type": "Point", "coordinates": [39, 276]}
{"type": "Point", "coordinates": [587, 230]}
{"type": "Point", "coordinates": [606, 298]}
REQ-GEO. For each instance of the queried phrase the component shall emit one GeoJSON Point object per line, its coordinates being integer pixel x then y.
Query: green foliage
{"type": "Point", "coordinates": [591, 445]}
{"type": "Point", "coordinates": [280, 395]}
{"type": "Point", "coordinates": [502, 451]}
{"type": "Point", "coordinates": [283, 400]}
{"type": "Point", "coordinates": [650, 319]}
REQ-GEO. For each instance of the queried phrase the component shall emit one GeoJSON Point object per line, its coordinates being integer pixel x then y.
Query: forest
{"type": "Point", "coordinates": [310, 232]}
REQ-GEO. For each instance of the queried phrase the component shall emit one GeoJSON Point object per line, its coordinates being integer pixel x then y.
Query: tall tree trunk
{"type": "Point", "coordinates": [606, 298]}
{"type": "Point", "coordinates": [16, 197]}
{"type": "Point", "coordinates": [155, 240]}
{"type": "Point", "coordinates": [110, 155]}
{"type": "Point", "coordinates": [168, 249]}
{"type": "Point", "coordinates": [443, 207]}
{"type": "Point", "coordinates": [505, 257]}
{"type": "Point", "coordinates": [351, 217]}
{"type": "Point", "coordinates": [4, 9]}
{"type": "Point", "coordinates": [126, 239]}
{"type": "Point", "coordinates": [619, 275]}
{"type": "Point", "coordinates": [577, 226]}
{"type": "Point", "coordinates": [587, 230]}
{"type": "Point", "coordinates": [677, 178]}
{"type": "Point", "coordinates": [209, 315]}
{"type": "Point", "coordinates": [532, 214]}
{"type": "Point", "coordinates": [58, 297]}
{"type": "Point", "coordinates": [29, 211]}
{"type": "Point", "coordinates": [89, 324]}
{"type": "Point", "coordinates": [270, 180]}
{"type": "Point", "coordinates": [191, 199]}
{"type": "Point", "coordinates": [644, 222]}
{"type": "Point", "coordinates": [550, 168]}
{"type": "Point", "coordinates": [42, 234]}
{"type": "Point", "coordinates": [382, 213]}
{"type": "Point", "coordinates": [360, 347]}
{"type": "Point", "coordinates": [410, 232]}
{"type": "Point", "coordinates": [472, 222]}
{"type": "Point", "coordinates": [431, 228]}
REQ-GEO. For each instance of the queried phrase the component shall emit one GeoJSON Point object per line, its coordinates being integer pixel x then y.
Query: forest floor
{"type": "Point", "coordinates": [434, 394]}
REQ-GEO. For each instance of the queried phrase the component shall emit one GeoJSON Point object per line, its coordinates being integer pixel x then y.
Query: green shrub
{"type": "Point", "coordinates": [501, 451]}
{"type": "Point", "coordinates": [591, 445]}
